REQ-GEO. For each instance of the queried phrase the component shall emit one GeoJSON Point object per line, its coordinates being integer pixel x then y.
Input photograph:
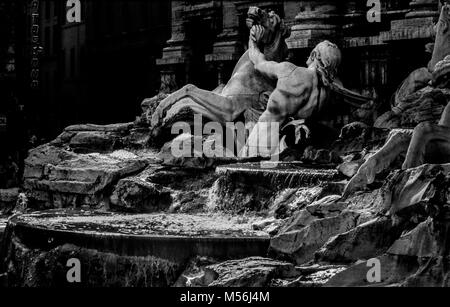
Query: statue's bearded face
{"type": "Point", "coordinates": [270, 21]}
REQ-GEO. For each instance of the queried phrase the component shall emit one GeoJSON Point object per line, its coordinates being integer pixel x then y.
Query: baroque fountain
{"type": "Point", "coordinates": [136, 215]}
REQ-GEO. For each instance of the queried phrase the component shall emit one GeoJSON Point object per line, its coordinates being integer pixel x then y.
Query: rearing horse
{"type": "Point", "coordinates": [247, 90]}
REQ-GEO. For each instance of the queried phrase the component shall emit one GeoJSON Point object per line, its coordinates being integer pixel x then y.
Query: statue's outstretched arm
{"type": "Point", "coordinates": [256, 56]}
{"type": "Point", "coordinates": [270, 69]}
{"type": "Point", "coordinates": [267, 68]}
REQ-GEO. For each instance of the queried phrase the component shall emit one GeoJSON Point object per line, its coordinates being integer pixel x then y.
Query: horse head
{"type": "Point", "coordinates": [275, 32]}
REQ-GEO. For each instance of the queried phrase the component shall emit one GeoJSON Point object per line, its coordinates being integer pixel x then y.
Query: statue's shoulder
{"type": "Point", "coordinates": [286, 69]}
{"type": "Point", "coordinates": [303, 74]}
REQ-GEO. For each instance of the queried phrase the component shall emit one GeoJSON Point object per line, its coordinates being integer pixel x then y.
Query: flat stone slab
{"type": "Point", "coordinates": [286, 174]}
{"type": "Point", "coordinates": [176, 237]}
{"type": "Point", "coordinates": [161, 224]}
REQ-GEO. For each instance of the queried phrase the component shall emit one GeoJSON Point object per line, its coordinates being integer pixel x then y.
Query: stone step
{"type": "Point", "coordinates": [280, 175]}
{"type": "Point", "coordinates": [121, 250]}
{"type": "Point", "coordinates": [176, 237]}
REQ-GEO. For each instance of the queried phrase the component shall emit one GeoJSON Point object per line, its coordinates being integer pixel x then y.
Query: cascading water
{"type": "Point", "coordinates": [255, 187]}
{"type": "Point", "coordinates": [286, 175]}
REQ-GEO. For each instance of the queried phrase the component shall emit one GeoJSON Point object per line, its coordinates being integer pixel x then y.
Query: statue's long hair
{"type": "Point", "coordinates": [327, 57]}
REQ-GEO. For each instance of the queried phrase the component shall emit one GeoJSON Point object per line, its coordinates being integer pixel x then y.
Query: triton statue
{"type": "Point", "coordinates": [292, 92]}
{"type": "Point", "coordinates": [300, 92]}
{"type": "Point", "coordinates": [246, 92]}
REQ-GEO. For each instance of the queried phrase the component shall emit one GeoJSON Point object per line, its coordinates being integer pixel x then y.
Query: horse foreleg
{"type": "Point", "coordinates": [396, 145]}
{"type": "Point", "coordinates": [227, 109]}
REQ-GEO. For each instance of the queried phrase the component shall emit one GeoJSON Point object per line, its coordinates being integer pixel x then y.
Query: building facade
{"type": "Point", "coordinates": [98, 69]}
{"type": "Point", "coordinates": [12, 120]}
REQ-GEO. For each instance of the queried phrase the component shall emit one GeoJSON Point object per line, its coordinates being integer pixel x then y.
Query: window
{"type": "Point", "coordinates": [126, 20]}
{"type": "Point", "coordinates": [56, 7]}
{"type": "Point", "coordinates": [55, 39]}
{"type": "Point", "coordinates": [47, 41]}
{"type": "Point", "coordinates": [145, 14]}
{"type": "Point", "coordinates": [47, 5]}
{"type": "Point", "coordinates": [63, 64]}
{"type": "Point", "coordinates": [47, 86]}
{"type": "Point", "coordinates": [110, 18]}
{"type": "Point", "coordinates": [97, 8]}
{"type": "Point", "coordinates": [82, 64]}
{"type": "Point", "coordinates": [72, 62]}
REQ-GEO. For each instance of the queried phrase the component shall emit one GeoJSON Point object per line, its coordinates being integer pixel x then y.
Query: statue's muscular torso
{"type": "Point", "coordinates": [298, 93]}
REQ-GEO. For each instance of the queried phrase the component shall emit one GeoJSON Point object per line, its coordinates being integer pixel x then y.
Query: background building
{"type": "Point", "coordinates": [12, 120]}
{"type": "Point", "coordinates": [54, 73]}
{"type": "Point", "coordinates": [102, 68]}
{"type": "Point", "coordinates": [97, 70]}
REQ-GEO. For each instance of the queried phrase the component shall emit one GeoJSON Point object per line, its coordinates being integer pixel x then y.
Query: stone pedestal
{"type": "Point", "coordinates": [418, 23]}
{"type": "Point", "coordinates": [423, 8]}
{"type": "Point", "coordinates": [228, 47]}
{"type": "Point", "coordinates": [316, 21]}
{"type": "Point", "coordinates": [176, 55]}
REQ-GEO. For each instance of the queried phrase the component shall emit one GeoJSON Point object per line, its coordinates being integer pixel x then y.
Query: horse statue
{"type": "Point", "coordinates": [246, 93]}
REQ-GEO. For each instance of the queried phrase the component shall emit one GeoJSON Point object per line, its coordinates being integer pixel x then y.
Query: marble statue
{"type": "Point", "coordinates": [245, 93]}
{"type": "Point", "coordinates": [300, 93]}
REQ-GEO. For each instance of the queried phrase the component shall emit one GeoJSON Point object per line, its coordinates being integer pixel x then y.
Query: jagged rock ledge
{"type": "Point", "coordinates": [120, 250]}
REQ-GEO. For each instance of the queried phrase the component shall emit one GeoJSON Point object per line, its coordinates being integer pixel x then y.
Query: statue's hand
{"type": "Point", "coordinates": [257, 33]}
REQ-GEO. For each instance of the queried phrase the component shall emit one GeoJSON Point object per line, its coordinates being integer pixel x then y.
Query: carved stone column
{"type": "Point", "coordinates": [228, 48]}
{"type": "Point", "coordinates": [176, 55]}
{"type": "Point", "coordinates": [423, 8]}
{"type": "Point", "coordinates": [316, 21]}
{"type": "Point", "coordinates": [416, 23]}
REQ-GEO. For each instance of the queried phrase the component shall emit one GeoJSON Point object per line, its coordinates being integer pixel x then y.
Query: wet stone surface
{"type": "Point", "coordinates": [208, 225]}
{"type": "Point", "coordinates": [286, 174]}
{"type": "Point", "coordinates": [121, 249]}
